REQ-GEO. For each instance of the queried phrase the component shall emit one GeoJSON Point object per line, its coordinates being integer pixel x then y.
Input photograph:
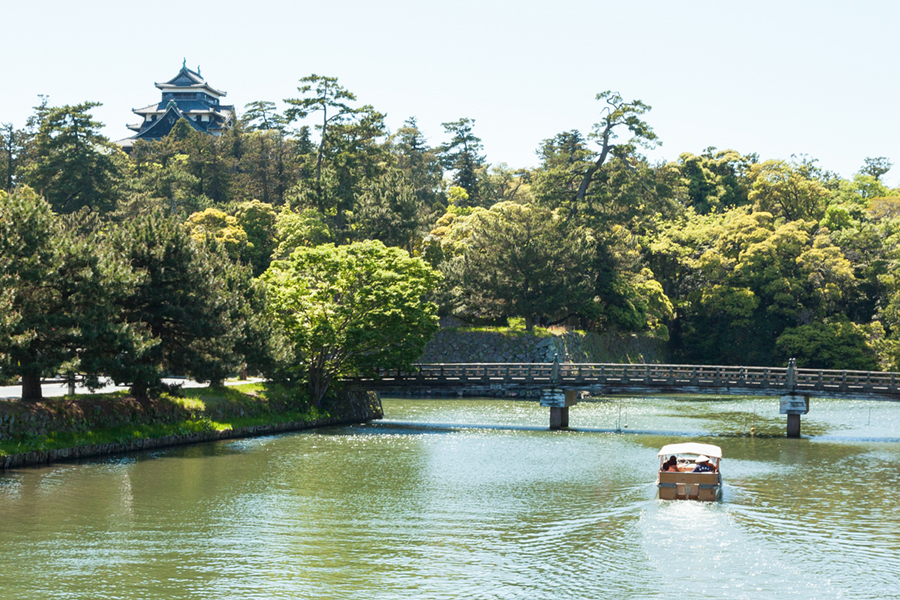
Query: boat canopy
{"type": "Point", "coordinates": [692, 448]}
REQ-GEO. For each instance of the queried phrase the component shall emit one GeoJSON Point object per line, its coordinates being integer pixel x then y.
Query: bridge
{"type": "Point", "coordinates": [559, 384]}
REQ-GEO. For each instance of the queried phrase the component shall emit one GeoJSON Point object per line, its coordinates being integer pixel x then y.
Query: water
{"type": "Point", "coordinates": [475, 499]}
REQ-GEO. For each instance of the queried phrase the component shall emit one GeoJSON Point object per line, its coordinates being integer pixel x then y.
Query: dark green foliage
{"type": "Point", "coordinates": [71, 164]}
{"type": "Point", "coordinates": [462, 155]}
{"type": "Point", "coordinates": [390, 211]}
{"type": "Point", "coordinates": [189, 300]}
{"type": "Point", "coordinates": [520, 261]}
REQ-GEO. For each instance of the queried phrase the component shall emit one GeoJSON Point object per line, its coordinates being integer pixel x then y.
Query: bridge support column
{"type": "Point", "coordinates": [559, 401]}
{"type": "Point", "coordinates": [794, 405]}
{"type": "Point", "coordinates": [559, 417]}
{"type": "Point", "coordinates": [793, 426]}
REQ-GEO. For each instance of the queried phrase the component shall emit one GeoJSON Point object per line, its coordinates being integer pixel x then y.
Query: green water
{"type": "Point", "coordinates": [475, 499]}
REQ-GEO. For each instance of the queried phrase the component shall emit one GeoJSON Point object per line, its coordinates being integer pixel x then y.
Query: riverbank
{"type": "Point", "coordinates": [76, 427]}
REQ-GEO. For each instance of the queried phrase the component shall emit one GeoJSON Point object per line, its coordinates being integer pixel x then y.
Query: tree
{"type": "Point", "coordinates": [516, 260]}
{"type": "Point", "coordinates": [462, 155]}
{"type": "Point", "coordinates": [60, 293]}
{"type": "Point", "coordinates": [258, 220]}
{"type": "Point", "coordinates": [222, 227]}
{"type": "Point", "coordinates": [389, 210]}
{"type": "Point", "coordinates": [348, 309]}
{"type": "Point", "coordinates": [419, 162]}
{"type": "Point", "coordinates": [786, 190]}
{"type": "Point", "coordinates": [184, 301]}
{"type": "Point", "coordinates": [834, 345]}
{"type": "Point", "coordinates": [72, 165]}
{"type": "Point", "coordinates": [10, 146]}
{"type": "Point", "coordinates": [616, 114]}
{"type": "Point", "coordinates": [328, 94]}
{"type": "Point", "coordinates": [876, 167]}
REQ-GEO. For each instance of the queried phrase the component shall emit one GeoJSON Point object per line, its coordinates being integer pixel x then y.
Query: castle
{"type": "Point", "coordinates": [185, 96]}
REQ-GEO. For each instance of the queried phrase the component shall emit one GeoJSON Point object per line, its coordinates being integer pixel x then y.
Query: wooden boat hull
{"type": "Point", "coordinates": [689, 486]}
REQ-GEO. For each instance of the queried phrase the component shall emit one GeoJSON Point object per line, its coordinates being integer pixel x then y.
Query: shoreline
{"type": "Point", "coordinates": [38, 458]}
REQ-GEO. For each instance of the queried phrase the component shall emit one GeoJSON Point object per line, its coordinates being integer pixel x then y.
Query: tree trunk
{"type": "Point", "coordinates": [31, 387]}
{"type": "Point", "coordinates": [529, 323]}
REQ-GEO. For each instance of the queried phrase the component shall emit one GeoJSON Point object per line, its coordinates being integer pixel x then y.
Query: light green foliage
{"type": "Point", "coordinates": [348, 309]}
{"type": "Point", "coordinates": [258, 220]}
{"type": "Point", "coordinates": [787, 190]}
{"type": "Point", "coordinates": [834, 345]}
{"type": "Point", "coordinates": [221, 227]}
{"type": "Point", "coordinates": [740, 279]}
{"type": "Point", "coordinates": [299, 230]}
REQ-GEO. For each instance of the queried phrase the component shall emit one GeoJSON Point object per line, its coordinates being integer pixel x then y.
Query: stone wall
{"type": "Point", "coordinates": [460, 346]}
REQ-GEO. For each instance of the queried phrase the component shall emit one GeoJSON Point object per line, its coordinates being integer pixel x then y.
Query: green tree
{"type": "Point", "coordinates": [349, 309]}
{"type": "Point", "coordinates": [222, 227]}
{"type": "Point", "coordinates": [462, 155]}
{"type": "Point", "coordinates": [321, 94]}
{"type": "Point", "coordinates": [787, 190]}
{"type": "Point", "coordinates": [515, 260]}
{"type": "Point", "coordinates": [10, 147]}
{"type": "Point", "coordinates": [184, 301]}
{"type": "Point", "coordinates": [834, 345]}
{"type": "Point", "coordinates": [390, 211]}
{"type": "Point", "coordinates": [258, 220]}
{"type": "Point", "coordinates": [71, 164]}
{"type": "Point", "coordinates": [61, 289]}
{"type": "Point", "coordinates": [419, 163]}
{"type": "Point", "coordinates": [615, 115]}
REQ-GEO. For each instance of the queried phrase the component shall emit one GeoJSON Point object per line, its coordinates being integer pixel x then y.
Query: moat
{"type": "Point", "coordinates": [474, 499]}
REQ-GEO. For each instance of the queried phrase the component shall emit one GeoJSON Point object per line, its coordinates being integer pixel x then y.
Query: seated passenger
{"type": "Point", "coordinates": [703, 465]}
{"type": "Point", "coordinates": [671, 464]}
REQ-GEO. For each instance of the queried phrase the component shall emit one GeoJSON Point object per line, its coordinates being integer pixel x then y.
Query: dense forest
{"type": "Point", "coordinates": [729, 257]}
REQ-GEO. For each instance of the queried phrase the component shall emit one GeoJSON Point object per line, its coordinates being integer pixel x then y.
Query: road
{"type": "Point", "coordinates": [12, 392]}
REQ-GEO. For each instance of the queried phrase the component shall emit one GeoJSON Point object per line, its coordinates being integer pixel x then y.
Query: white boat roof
{"type": "Point", "coordinates": [692, 448]}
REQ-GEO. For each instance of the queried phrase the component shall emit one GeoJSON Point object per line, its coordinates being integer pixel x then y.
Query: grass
{"type": "Point", "coordinates": [516, 328]}
{"type": "Point", "coordinates": [202, 410]}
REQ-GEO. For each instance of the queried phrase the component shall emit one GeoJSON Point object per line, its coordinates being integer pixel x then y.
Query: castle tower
{"type": "Point", "coordinates": [185, 96]}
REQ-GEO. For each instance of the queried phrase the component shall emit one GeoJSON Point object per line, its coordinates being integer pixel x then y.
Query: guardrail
{"type": "Point", "coordinates": [671, 378]}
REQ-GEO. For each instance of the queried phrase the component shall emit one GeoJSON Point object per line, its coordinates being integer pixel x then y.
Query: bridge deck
{"type": "Point", "coordinates": [644, 378]}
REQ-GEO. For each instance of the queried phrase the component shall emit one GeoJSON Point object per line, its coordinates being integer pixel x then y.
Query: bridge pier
{"type": "Point", "coordinates": [559, 401]}
{"type": "Point", "coordinates": [794, 405]}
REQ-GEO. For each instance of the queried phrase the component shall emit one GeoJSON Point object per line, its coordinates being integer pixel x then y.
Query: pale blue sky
{"type": "Point", "coordinates": [772, 77]}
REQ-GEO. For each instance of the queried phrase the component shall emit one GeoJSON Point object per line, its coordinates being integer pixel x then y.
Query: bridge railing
{"type": "Point", "coordinates": [772, 379]}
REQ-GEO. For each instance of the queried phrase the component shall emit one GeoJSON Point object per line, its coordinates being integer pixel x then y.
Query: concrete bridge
{"type": "Point", "coordinates": [560, 383]}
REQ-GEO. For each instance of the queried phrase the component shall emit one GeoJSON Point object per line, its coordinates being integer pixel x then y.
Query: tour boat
{"type": "Point", "coordinates": [680, 482]}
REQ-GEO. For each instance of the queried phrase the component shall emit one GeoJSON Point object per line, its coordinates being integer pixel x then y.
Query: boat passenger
{"type": "Point", "coordinates": [671, 464]}
{"type": "Point", "coordinates": [703, 465]}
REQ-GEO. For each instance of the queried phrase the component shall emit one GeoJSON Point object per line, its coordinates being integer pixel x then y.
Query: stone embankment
{"type": "Point", "coordinates": [461, 346]}
{"type": "Point", "coordinates": [453, 345]}
{"type": "Point", "coordinates": [20, 420]}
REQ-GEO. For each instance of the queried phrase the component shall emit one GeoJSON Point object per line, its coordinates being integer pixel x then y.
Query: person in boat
{"type": "Point", "coordinates": [671, 464]}
{"type": "Point", "coordinates": [703, 465]}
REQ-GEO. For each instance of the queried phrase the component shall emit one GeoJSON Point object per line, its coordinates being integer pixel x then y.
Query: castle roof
{"type": "Point", "coordinates": [187, 79]}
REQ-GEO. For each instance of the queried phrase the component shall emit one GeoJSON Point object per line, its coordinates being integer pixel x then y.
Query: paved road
{"type": "Point", "coordinates": [61, 389]}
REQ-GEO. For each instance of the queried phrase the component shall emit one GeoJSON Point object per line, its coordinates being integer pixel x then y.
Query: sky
{"type": "Point", "coordinates": [778, 78]}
